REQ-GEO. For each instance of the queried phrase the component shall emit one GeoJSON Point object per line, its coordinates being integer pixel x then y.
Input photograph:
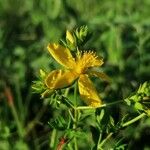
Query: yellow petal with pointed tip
{"type": "Point", "coordinates": [58, 79]}
{"type": "Point", "coordinates": [52, 78]}
{"type": "Point", "coordinates": [88, 92]}
{"type": "Point", "coordinates": [100, 75]}
{"type": "Point", "coordinates": [62, 55]}
{"type": "Point", "coordinates": [66, 79]}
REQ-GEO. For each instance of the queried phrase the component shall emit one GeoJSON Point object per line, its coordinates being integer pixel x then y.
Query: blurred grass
{"type": "Point", "coordinates": [120, 34]}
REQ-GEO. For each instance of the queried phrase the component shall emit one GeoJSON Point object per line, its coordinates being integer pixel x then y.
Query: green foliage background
{"type": "Point", "coordinates": [120, 33]}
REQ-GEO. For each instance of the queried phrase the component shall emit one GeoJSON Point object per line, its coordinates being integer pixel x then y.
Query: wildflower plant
{"type": "Point", "coordinates": [65, 88]}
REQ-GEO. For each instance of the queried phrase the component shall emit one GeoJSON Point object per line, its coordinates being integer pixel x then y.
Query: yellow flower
{"type": "Point", "coordinates": [76, 68]}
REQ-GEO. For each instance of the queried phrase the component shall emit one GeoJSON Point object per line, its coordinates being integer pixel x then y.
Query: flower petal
{"type": "Point", "coordinates": [66, 79]}
{"type": "Point", "coordinates": [58, 79]}
{"type": "Point", "coordinates": [88, 92]}
{"type": "Point", "coordinates": [62, 55]}
{"type": "Point", "coordinates": [100, 75]}
{"type": "Point", "coordinates": [52, 78]}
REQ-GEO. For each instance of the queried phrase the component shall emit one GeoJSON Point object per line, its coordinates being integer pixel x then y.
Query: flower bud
{"type": "Point", "coordinates": [69, 37]}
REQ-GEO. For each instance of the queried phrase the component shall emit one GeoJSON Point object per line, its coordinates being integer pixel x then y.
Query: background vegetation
{"type": "Point", "coordinates": [120, 32]}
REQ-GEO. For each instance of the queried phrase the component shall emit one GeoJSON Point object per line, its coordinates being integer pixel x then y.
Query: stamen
{"type": "Point", "coordinates": [86, 59]}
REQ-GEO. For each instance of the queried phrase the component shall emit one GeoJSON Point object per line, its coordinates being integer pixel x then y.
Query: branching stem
{"type": "Point", "coordinates": [134, 120]}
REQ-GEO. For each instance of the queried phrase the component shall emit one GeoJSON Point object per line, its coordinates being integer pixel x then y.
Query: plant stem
{"type": "Point", "coordinates": [66, 92]}
{"type": "Point", "coordinates": [104, 105]}
{"type": "Point", "coordinates": [75, 116]}
{"type": "Point", "coordinates": [105, 140]}
{"type": "Point", "coordinates": [53, 138]}
{"type": "Point", "coordinates": [10, 100]}
{"type": "Point", "coordinates": [19, 100]}
{"type": "Point", "coordinates": [112, 103]}
{"type": "Point", "coordinates": [75, 94]}
{"type": "Point", "coordinates": [133, 120]}
{"type": "Point", "coordinates": [19, 125]}
{"type": "Point", "coordinates": [124, 125]}
{"type": "Point", "coordinates": [99, 139]}
{"type": "Point", "coordinates": [74, 127]}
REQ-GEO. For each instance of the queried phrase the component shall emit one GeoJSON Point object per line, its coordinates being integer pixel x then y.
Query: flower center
{"type": "Point", "coordinates": [86, 60]}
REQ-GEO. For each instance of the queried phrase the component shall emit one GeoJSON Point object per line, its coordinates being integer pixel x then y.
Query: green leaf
{"type": "Point", "coordinates": [58, 123]}
{"type": "Point", "coordinates": [138, 106]}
